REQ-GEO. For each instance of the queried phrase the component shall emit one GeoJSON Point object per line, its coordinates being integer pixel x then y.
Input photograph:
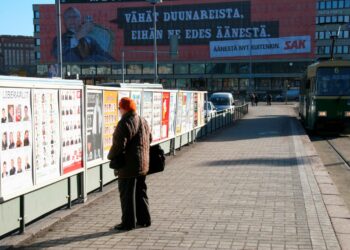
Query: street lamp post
{"type": "Point", "coordinates": [59, 38]}
{"type": "Point", "coordinates": [155, 50]}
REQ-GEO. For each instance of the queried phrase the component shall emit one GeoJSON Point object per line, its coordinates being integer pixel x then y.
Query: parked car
{"type": "Point", "coordinates": [222, 100]}
{"type": "Point", "coordinates": [209, 109]}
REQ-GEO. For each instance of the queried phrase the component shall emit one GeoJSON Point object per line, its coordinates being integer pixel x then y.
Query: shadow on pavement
{"type": "Point", "coordinates": [67, 240]}
{"type": "Point", "coordinates": [271, 162]}
{"type": "Point", "coordinates": [255, 128]}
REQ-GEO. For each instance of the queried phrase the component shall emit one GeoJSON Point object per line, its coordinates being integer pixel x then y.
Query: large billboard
{"type": "Point", "coordinates": [218, 29]}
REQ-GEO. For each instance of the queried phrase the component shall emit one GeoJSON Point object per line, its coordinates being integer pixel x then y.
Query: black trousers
{"type": "Point", "coordinates": [134, 201]}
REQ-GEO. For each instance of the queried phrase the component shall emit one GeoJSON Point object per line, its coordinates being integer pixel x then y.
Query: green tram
{"type": "Point", "coordinates": [325, 96]}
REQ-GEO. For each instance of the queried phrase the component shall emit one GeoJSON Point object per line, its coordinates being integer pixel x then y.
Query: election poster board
{"type": "Point", "coordinates": [165, 115]}
{"type": "Point", "coordinates": [147, 111]}
{"type": "Point", "coordinates": [201, 108]}
{"type": "Point", "coordinates": [16, 132]}
{"type": "Point", "coordinates": [71, 125]}
{"type": "Point", "coordinates": [185, 113]}
{"type": "Point", "coordinates": [195, 110]}
{"type": "Point", "coordinates": [179, 112]}
{"type": "Point", "coordinates": [172, 114]}
{"type": "Point", "coordinates": [110, 121]}
{"type": "Point", "coordinates": [189, 111]}
{"type": "Point", "coordinates": [94, 122]}
{"type": "Point", "coordinates": [157, 115]}
{"type": "Point", "coordinates": [137, 96]}
{"type": "Point", "coordinates": [47, 135]}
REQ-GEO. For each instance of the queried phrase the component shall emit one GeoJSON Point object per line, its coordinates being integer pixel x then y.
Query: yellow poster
{"type": "Point", "coordinates": [110, 114]}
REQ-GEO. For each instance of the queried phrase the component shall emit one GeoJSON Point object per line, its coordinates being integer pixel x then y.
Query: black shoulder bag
{"type": "Point", "coordinates": [156, 159]}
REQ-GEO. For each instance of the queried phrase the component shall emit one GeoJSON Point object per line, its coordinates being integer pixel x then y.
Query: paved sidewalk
{"type": "Point", "coordinates": [250, 186]}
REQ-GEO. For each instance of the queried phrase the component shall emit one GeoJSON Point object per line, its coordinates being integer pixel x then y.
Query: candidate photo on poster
{"type": "Point", "coordinates": [94, 125]}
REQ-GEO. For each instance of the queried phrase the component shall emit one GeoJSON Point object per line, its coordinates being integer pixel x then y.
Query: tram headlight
{"type": "Point", "coordinates": [347, 113]}
{"type": "Point", "coordinates": [322, 113]}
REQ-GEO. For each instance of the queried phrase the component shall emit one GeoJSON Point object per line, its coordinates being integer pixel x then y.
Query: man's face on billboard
{"type": "Point", "coordinates": [72, 20]}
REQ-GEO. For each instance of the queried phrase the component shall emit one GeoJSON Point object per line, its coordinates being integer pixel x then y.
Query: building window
{"type": "Point", "coordinates": [117, 69]}
{"type": "Point", "coordinates": [134, 69]}
{"type": "Point", "coordinates": [341, 4]}
{"type": "Point", "coordinates": [322, 5]}
{"type": "Point", "coordinates": [181, 69]}
{"type": "Point", "coordinates": [327, 50]}
{"type": "Point", "coordinates": [148, 68]}
{"type": "Point", "coordinates": [103, 70]}
{"type": "Point", "coordinates": [36, 14]}
{"type": "Point", "coordinates": [37, 28]}
{"type": "Point", "coordinates": [346, 50]}
{"type": "Point", "coordinates": [334, 4]}
{"type": "Point", "coordinates": [322, 19]}
{"type": "Point", "coordinates": [86, 70]}
{"type": "Point", "coordinates": [197, 68]}
{"type": "Point", "coordinates": [37, 42]}
{"type": "Point", "coordinates": [37, 55]}
{"type": "Point", "coordinates": [165, 68]}
{"type": "Point", "coordinates": [347, 3]}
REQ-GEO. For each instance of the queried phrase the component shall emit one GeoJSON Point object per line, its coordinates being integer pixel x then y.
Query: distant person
{"type": "Point", "coordinates": [131, 140]}
{"type": "Point", "coordinates": [256, 99]}
{"type": "Point", "coordinates": [26, 114]}
{"type": "Point", "coordinates": [252, 99]}
{"type": "Point", "coordinates": [12, 141]}
{"type": "Point", "coordinates": [269, 99]}
{"type": "Point", "coordinates": [3, 118]}
{"type": "Point", "coordinates": [4, 171]}
{"type": "Point", "coordinates": [77, 44]}
{"type": "Point", "coordinates": [13, 168]}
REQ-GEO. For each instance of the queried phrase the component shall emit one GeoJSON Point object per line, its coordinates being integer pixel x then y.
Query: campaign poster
{"type": "Point", "coordinates": [195, 110]}
{"type": "Point", "coordinates": [136, 96]}
{"type": "Point", "coordinates": [16, 149]}
{"type": "Point", "coordinates": [47, 135]}
{"type": "Point", "coordinates": [172, 114]}
{"type": "Point", "coordinates": [185, 113]}
{"type": "Point", "coordinates": [71, 124]}
{"type": "Point", "coordinates": [201, 109]}
{"type": "Point", "coordinates": [147, 111]}
{"type": "Point", "coordinates": [122, 94]}
{"type": "Point", "coordinates": [110, 113]}
{"type": "Point", "coordinates": [157, 116]}
{"type": "Point", "coordinates": [190, 111]}
{"type": "Point", "coordinates": [165, 115]}
{"type": "Point", "coordinates": [179, 113]}
{"type": "Point", "coordinates": [94, 125]}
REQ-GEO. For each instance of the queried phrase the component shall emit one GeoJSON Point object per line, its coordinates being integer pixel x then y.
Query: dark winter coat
{"type": "Point", "coordinates": [133, 140]}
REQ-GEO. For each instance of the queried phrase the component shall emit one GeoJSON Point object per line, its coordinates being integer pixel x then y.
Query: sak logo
{"type": "Point", "coordinates": [297, 44]}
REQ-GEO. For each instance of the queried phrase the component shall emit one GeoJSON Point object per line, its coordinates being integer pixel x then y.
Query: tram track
{"type": "Point", "coordinates": [338, 152]}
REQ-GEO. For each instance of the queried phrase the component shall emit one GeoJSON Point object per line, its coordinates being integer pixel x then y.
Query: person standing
{"type": "Point", "coordinates": [269, 99]}
{"type": "Point", "coordinates": [131, 140]}
{"type": "Point", "coordinates": [256, 99]}
{"type": "Point", "coordinates": [252, 98]}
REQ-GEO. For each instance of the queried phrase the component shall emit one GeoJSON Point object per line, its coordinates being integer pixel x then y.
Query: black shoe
{"type": "Point", "coordinates": [144, 224]}
{"type": "Point", "coordinates": [121, 227]}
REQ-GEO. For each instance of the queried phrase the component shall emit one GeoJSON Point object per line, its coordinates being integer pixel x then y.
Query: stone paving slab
{"type": "Point", "coordinates": [250, 186]}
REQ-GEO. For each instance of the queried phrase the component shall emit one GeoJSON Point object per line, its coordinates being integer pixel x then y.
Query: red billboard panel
{"type": "Point", "coordinates": [211, 29]}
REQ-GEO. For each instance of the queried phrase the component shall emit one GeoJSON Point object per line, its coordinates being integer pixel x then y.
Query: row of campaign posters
{"type": "Point", "coordinates": [57, 146]}
{"type": "Point", "coordinates": [54, 119]}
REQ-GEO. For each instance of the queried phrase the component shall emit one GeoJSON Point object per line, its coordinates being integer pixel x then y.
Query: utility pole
{"type": "Point", "coordinates": [155, 50]}
{"type": "Point", "coordinates": [59, 38]}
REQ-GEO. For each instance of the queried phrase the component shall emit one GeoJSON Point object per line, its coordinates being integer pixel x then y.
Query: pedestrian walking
{"type": "Point", "coordinates": [269, 99]}
{"type": "Point", "coordinates": [252, 99]}
{"type": "Point", "coordinates": [256, 99]}
{"type": "Point", "coordinates": [131, 149]}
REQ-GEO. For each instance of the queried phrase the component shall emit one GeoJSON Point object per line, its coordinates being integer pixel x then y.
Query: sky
{"type": "Point", "coordinates": [16, 16]}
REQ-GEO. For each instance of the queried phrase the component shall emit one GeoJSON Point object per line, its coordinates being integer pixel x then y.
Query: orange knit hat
{"type": "Point", "coordinates": [127, 104]}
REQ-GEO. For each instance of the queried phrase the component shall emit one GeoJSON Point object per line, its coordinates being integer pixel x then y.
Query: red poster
{"type": "Point", "coordinates": [165, 114]}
